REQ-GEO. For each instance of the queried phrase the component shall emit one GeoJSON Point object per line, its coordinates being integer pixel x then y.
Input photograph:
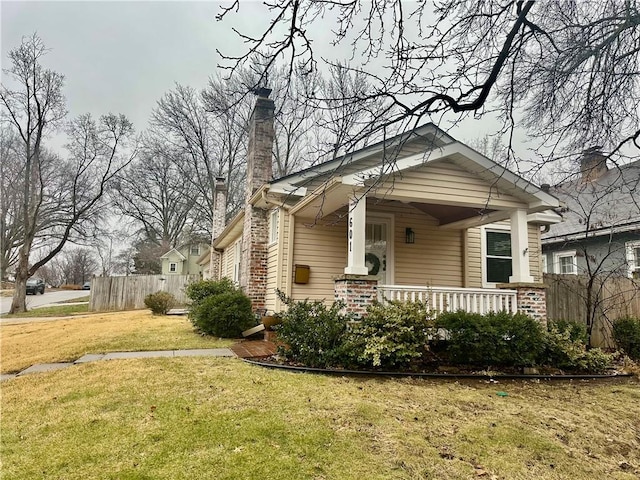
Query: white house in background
{"type": "Point", "coordinates": [183, 260]}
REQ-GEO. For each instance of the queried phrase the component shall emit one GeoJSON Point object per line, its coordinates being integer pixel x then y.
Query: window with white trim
{"type": "Point", "coordinates": [498, 266]}
{"type": "Point", "coordinates": [173, 267]}
{"type": "Point", "coordinates": [195, 249]}
{"type": "Point", "coordinates": [565, 263]}
{"type": "Point", "coordinates": [633, 259]}
{"type": "Point", "coordinates": [237, 254]}
{"type": "Point", "coordinates": [273, 226]}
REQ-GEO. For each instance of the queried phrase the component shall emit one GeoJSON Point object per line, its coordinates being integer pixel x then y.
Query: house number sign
{"type": "Point", "coordinates": [351, 234]}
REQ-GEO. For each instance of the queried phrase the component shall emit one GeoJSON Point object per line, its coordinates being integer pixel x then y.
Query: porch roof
{"type": "Point", "coordinates": [507, 190]}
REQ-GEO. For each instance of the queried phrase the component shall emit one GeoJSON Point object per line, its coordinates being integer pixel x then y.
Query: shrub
{"type": "Point", "coordinates": [198, 291]}
{"type": "Point", "coordinates": [577, 331]}
{"type": "Point", "coordinates": [626, 333]}
{"type": "Point", "coordinates": [390, 335]}
{"type": "Point", "coordinates": [313, 333]}
{"type": "Point", "coordinates": [160, 302]}
{"type": "Point", "coordinates": [219, 308]}
{"type": "Point", "coordinates": [562, 351]}
{"type": "Point", "coordinates": [500, 339]}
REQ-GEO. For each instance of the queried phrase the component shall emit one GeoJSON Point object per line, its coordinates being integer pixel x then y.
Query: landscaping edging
{"type": "Point", "coordinates": [453, 376]}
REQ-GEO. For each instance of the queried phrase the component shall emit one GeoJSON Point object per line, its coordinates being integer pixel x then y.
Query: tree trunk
{"type": "Point", "coordinates": [19, 302]}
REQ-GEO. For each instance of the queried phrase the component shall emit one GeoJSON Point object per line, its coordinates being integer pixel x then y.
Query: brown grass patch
{"type": "Point", "coordinates": [25, 344]}
{"type": "Point", "coordinates": [203, 418]}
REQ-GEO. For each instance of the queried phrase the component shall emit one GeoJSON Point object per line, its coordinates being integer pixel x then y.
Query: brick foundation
{"type": "Point", "coordinates": [357, 292]}
{"type": "Point", "coordinates": [532, 299]}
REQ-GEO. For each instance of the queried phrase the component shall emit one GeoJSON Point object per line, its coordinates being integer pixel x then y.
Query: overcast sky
{"type": "Point", "coordinates": [122, 57]}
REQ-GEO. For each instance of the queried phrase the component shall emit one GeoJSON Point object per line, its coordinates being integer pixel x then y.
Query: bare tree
{"type": "Point", "coordinates": [152, 191]}
{"type": "Point", "coordinates": [568, 69]}
{"type": "Point", "coordinates": [57, 200]}
{"type": "Point", "coordinates": [11, 230]}
{"type": "Point", "coordinates": [77, 266]}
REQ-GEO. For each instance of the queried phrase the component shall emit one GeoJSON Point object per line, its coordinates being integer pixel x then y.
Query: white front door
{"type": "Point", "coordinates": [378, 248]}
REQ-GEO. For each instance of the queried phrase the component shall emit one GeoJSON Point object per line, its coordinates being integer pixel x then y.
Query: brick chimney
{"type": "Point", "coordinates": [592, 164]}
{"type": "Point", "coordinates": [219, 216]}
{"type": "Point", "coordinates": [253, 271]}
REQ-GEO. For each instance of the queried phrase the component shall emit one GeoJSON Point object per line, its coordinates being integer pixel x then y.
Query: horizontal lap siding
{"type": "Point", "coordinates": [436, 256]}
{"type": "Point", "coordinates": [324, 249]}
{"type": "Point", "coordinates": [474, 259]}
{"type": "Point", "coordinates": [446, 183]}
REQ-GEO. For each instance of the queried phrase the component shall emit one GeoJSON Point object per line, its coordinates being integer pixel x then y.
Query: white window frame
{"type": "Point", "coordinates": [557, 256]}
{"type": "Point", "coordinates": [237, 256]}
{"type": "Point", "coordinates": [173, 267]}
{"type": "Point", "coordinates": [633, 263]}
{"type": "Point", "coordinates": [196, 248]}
{"type": "Point", "coordinates": [274, 219]}
{"type": "Point", "coordinates": [483, 250]}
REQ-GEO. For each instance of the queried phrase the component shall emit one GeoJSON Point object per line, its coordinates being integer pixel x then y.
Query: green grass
{"type": "Point", "coordinates": [75, 300]}
{"type": "Point", "coordinates": [52, 311]}
{"type": "Point", "coordinates": [202, 418]}
{"type": "Point", "coordinates": [198, 418]}
{"type": "Point", "coordinates": [25, 344]}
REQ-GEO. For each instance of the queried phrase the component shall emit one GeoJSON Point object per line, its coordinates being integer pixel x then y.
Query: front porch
{"type": "Point", "coordinates": [359, 291]}
{"type": "Point", "coordinates": [443, 299]}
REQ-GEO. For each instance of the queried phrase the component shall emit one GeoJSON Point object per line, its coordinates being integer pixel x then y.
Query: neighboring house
{"type": "Point", "coordinates": [420, 215]}
{"type": "Point", "coordinates": [183, 260]}
{"type": "Point", "coordinates": [600, 231]}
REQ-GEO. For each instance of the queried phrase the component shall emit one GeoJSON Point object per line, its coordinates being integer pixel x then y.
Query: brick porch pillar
{"type": "Point", "coordinates": [531, 298]}
{"type": "Point", "coordinates": [356, 291]}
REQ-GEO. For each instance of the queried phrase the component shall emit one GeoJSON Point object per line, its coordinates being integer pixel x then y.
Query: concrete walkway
{"type": "Point", "coordinates": [93, 357]}
{"type": "Point", "coordinates": [242, 349]}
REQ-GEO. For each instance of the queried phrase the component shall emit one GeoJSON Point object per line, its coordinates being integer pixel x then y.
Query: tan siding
{"type": "Point", "coordinates": [272, 269]}
{"type": "Point", "coordinates": [434, 259]}
{"type": "Point", "coordinates": [535, 261]}
{"type": "Point", "coordinates": [446, 183]}
{"type": "Point", "coordinates": [474, 258]}
{"type": "Point", "coordinates": [286, 268]}
{"type": "Point", "coordinates": [324, 249]}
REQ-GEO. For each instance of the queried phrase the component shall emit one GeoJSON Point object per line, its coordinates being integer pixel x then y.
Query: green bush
{"type": "Point", "coordinates": [626, 333]}
{"type": "Point", "coordinates": [577, 331]}
{"type": "Point", "coordinates": [567, 351]}
{"type": "Point", "coordinates": [495, 339]}
{"type": "Point", "coordinates": [219, 308]}
{"type": "Point", "coordinates": [198, 291]}
{"type": "Point", "coordinates": [313, 333]}
{"type": "Point", "coordinates": [390, 335]}
{"type": "Point", "coordinates": [160, 302]}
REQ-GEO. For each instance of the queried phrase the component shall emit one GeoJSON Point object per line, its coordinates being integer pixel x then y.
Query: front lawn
{"type": "Point", "coordinates": [24, 344]}
{"type": "Point", "coordinates": [203, 418]}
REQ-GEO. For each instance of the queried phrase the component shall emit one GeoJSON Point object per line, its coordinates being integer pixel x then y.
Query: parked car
{"type": "Point", "coordinates": [35, 286]}
{"type": "Point", "coordinates": [86, 286]}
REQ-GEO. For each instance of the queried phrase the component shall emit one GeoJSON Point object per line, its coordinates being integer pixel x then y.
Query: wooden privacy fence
{"type": "Point", "coordinates": [127, 293]}
{"type": "Point", "coordinates": [567, 300]}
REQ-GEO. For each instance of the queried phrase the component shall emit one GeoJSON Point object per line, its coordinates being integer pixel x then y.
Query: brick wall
{"type": "Point", "coordinates": [357, 292]}
{"type": "Point", "coordinates": [219, 220]}
{"type": "Point", "coordinates": [253, 271]}
{"type": "Point", "coordinates": [532, 301]}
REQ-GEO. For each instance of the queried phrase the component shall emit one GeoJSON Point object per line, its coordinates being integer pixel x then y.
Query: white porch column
{"type": "Point", "coordinates": [356, 236]}
{"type": "Point", "coordinates": [520, 248]}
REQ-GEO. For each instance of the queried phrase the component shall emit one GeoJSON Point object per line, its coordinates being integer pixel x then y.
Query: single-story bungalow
{"type": "Point", "coordinates": [417, 216]}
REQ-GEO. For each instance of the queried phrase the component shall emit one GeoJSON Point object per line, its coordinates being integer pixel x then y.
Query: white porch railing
{"type": "Point", "coordinates": [441, 299]}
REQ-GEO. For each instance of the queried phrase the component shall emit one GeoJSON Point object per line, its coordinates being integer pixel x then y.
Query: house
{"type": "Point", "coordinates": [600, 231]}
{"type": "Point", "coordinates": [183, 260]}
{"type": "Point", "coordinates": [419, 215]}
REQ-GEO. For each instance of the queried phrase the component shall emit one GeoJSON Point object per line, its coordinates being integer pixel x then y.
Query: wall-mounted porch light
{"type": "Point", "coordinates": [409, 235]}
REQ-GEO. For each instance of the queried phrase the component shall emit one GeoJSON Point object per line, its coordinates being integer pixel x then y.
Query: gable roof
{"type": "Point", "coordinates": [608, 204]}
{"type": "Point", "coordinates": [174, 252]}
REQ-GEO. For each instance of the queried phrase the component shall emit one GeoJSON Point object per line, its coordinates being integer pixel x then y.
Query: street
{"type": "Point", "coordinates": [48, 297]}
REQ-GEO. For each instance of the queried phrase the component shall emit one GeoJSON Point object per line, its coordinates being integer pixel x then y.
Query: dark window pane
{"type": "Point", "coordinates": [499, 244]}
{"type": "Point", "coordinates": [498, 270]}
